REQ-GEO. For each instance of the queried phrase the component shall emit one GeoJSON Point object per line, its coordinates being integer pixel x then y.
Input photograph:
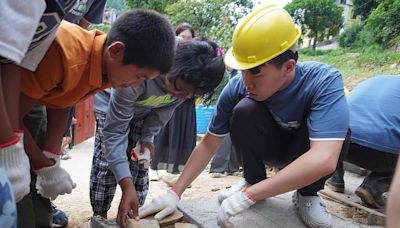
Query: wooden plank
{"type": "Point", "coordinates": [373, 217]}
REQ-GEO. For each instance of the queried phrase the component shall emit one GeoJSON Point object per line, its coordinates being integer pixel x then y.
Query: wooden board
{"type": "Point", "coordinates": [171, 219]}
{"type": "Point", "coordinates": [143, 223]}
{"type": "Point", "coordinates": [363, 214]}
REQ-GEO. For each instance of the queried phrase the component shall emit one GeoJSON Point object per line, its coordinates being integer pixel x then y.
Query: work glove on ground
{"type": "Point", "coordinates": [232, 190]}
{"type": "Point", "coordinates": [165, 205]}
{"type": "Point", "coordinates": [53, 180]}
{"type": "Point", "coordinates": [15, 162]}
{"type": "Point", "coordinates": [141, 158]}
{"type": "Point", "coordinates": [233, 205]}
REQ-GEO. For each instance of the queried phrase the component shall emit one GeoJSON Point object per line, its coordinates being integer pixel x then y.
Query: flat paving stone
{"type": "Point", "coordinates": [273, 212]}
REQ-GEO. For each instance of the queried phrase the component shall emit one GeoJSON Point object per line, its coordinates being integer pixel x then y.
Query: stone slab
{"type": "Point", "coordinates": [273, 212]}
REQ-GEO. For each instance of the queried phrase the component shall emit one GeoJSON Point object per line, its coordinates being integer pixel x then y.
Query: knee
{"type": "Point", "coordinates": [245, 110]}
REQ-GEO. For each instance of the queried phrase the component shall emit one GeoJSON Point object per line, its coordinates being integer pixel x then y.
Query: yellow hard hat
{"type": "Point", "coordinates": [260, 36]}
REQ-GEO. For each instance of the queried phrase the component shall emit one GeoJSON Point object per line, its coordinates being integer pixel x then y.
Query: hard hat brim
{"type": "Point", "coordinates": [233, 63]}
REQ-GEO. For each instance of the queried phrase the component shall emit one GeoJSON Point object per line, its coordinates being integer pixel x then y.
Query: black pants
{"type": "Point", "coordinates": [226, 158]}
{"type": "Point", "coordinates": [382, 166]}
{"type": "Point", "coordinates": [261, 141]}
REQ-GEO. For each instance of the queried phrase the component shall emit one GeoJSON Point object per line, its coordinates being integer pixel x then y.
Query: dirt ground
{"type": "Point", "coordinates": [77, 204]}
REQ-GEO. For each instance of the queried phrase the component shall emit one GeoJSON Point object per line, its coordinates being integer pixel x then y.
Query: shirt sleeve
{"type": "Point", "coordinates": [232, 93]}
{"type": "Point", "coordinates": [95, 14]}
{"type": "Point", "coordinates": [116, 129]}
{"type": "Point", "coordinates": [156, 120]}
{"type": "Point", "coordinates": [329, 117]}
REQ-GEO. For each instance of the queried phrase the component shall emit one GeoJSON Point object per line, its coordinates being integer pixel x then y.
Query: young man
{"type": "Point", "coordinates": [132, 116]}
{"type": "Point", "coordinates": [375, 137]}
{"type": "Point", "coordinates": [81, 62]}
{"type": "Point", "coordinates": [281, 113]}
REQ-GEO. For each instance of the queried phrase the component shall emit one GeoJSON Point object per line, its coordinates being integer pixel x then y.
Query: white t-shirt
{"type": "Point", "coordinates": [18, 23]}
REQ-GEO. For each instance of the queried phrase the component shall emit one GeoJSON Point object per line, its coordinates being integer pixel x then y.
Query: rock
{"type": "Point", "coordinates": [185, 225]}
{"type": "Point", "coordinates": [143, 223]}
{"type": "Point", "coordinates": [170, 219]}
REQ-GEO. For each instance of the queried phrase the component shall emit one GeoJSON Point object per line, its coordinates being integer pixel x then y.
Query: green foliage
{"type": "Point", "coordinates": [214, 19]}
{"type": "Point", "coordinates": [350, 38]}
{"type": "Point", "coordinates": [118, 5]}
{"type": "Point", "coordinates": [319, 19]}
{"type": "Point", "coordinates": [356, 64]}
{"type": "Point", "coordinates": [158, 5]}
{"type": "Point", "coordinates": [214, 98]}
{"type": "Point", "coordinates": [363, 8]}
{"type": "Point", "coordinates": [383, 24]}
{"type": "Point", "coordinates": [102, 27]}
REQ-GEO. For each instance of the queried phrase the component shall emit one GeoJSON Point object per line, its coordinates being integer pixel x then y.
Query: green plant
{"type": "Point", "coordinates": [102, 27]}
{"type": "Point", "coordinates": [351, 36]}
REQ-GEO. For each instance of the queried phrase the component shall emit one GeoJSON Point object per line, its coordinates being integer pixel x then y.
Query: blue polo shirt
{"type": "Point", "coordinates": [315, 95]}
{"type": "Point", "coordinates": [375, 113]}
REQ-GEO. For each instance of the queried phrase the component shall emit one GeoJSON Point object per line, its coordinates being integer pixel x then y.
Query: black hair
{"type": "Point", "coordinates": [198, 62]}
{"type": "Point", "coordinates": [182, 27]}
{"type": "Point", "coordinates": [148, 37]}
{"type": "Point", "coordinates": [279, 60]}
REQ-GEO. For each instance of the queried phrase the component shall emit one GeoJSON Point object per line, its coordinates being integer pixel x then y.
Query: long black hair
{"type": "Point", "coordinates": [199, 62]}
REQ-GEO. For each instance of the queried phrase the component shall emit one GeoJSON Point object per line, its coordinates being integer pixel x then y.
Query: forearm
{"type": "Point", "coordinates": [393, 207]}
{"type": "Point", "coordinates": [84, 23]}
{"type": "Point", "coordinates": [305, 170]}
{"type": "Point", "coordinates": [56, 122]}
{"type": "Point", "coordinates": [198, 160]}
{"type": "Point", "coordinates": [36, 157]}
{"type": "Point", "coordinates": [126, 184]}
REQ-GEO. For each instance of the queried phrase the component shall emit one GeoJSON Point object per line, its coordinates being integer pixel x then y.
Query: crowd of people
{"type": "Point", "coordinates": [145, 77]}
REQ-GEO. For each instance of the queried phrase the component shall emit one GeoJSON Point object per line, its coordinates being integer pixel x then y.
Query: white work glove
{"type": "Point", "coordinates": [15, 162]}
{"type": "Point", "coordinates": [165, 205]}
{"type": "Point", "coordinates": [233, 205]}
{"type": "Point", "coordinates": [232, 190]}
{"type": "Point", "coordinates": [53, 180]}
{"type": "Point", "coordinates": [141, 158]}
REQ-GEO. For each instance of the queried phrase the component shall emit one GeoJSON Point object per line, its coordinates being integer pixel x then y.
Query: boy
{"type": "Point", "coordinates": [280, 113]}
{"type": "Point", "coordinates": [133, 116]}
{"type": "Point", "coordinates": [79, 63]}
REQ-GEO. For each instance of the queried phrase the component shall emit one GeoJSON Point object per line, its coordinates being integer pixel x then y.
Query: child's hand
{"type": "Point", "coordinates": [127, 207]}
{"type": "Point", "coordinates": [147, 145]}
{"type": "Point", "coordinates": [141, 155]}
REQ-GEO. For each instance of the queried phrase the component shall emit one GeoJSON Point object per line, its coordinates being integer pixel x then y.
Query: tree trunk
{"type": "Point", "coordinates": [314, 46]}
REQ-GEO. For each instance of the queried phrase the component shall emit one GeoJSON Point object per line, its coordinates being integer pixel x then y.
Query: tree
{"type": "Point", "coordinates": [318, 18]}
{"type": "Point", "coordinates": [363, 8]}
{"type": "Point", "coordinates": [214, 19]}
{"type": "Point", "coordinates": [118, 5]}
{"type": "Point", "coordinates": [383, 23]}
{"type": "Point", "coordinates": [158, 5]}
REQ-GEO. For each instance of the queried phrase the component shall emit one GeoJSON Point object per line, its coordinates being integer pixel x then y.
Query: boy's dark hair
{"type": "Point", "coordinates": [282, 58]}
{"type": "Point", "coordinates": [199, 62]}
{"type": "Point", "coordinates": [148, 37]}
{"type": "Point", "coordinates": [182, 27]}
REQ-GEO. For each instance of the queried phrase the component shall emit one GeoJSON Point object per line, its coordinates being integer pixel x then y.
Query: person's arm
{"type": "Point", "coordinates": [316, 163]}
{"type": "Point", "coordinates": [116, 130]}
{"type": "Point", "coordinates": [393, 205]}
{"type": "Point", "coordinates": [36, 157]}
{"type": "Point", "coordinates": [56, 121]}
{"type": "Point", "coordinates": [84, 23]}
{"type": "Point", "coordinates": [167, 203]}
